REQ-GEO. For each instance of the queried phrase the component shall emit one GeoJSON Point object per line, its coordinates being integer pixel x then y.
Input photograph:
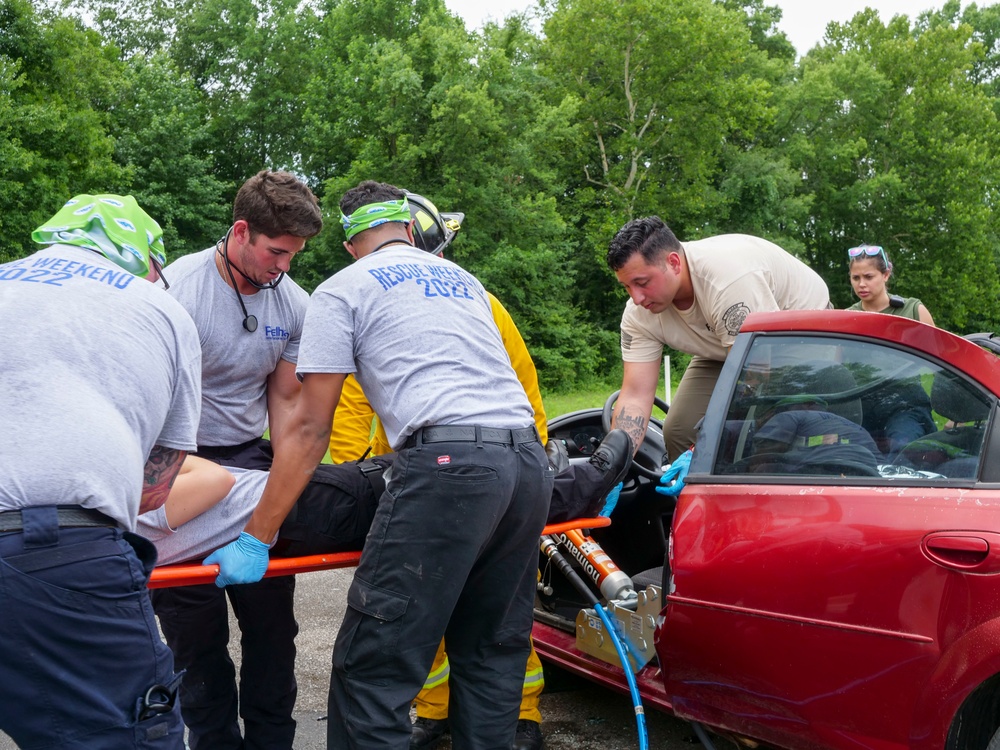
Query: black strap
{"type": "Point", "coordinates": [67, 516]}
{"type": "Point", "coordinates": [472, 434]}
{"type": "Point", "coordinates": [391, 242]}
{"type": "Point", "coordinates": [374, 472]}
{"type": "Point", "coordinates": [212, 452]}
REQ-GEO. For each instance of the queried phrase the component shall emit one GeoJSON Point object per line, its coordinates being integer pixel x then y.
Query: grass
{"type": "Point", "coordinates": [584, 398]}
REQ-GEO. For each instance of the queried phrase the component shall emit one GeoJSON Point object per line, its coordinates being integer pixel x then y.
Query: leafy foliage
{"type": "Point", "coordinates": [696, 110]}
{"type": "Point", "coordinates": [56, 79]}
{"type": "Point", "coordinates": [162, 144]}
{"type": "Point", "coordinates": [898, 146]}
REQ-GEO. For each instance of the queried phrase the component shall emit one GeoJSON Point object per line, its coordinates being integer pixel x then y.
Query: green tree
{"type": "Point", "coordinates": [985, 25]}
{"type": "Point", "coordinates": [898, 146]}
{"type": "Point", "coordinates": [135, 27]}
{"type": "Point", "coordinates": [162, 144]}
{"type": "Point", "coordinates": [757, 185]}
{"type": "Point", "coordinates": [669, 92]}
{"type": "Point", "coordinates": [252, 61]}
{"type": "Point", "coordinates": [762, 21]}
{"type": "Point", "coordinates": [462, 119]}
{"type": "Point", "coordinates": [57, 79]}
{"type": "Point", "coordinates": [662, 85]}
{"type": "Point", "coordinates": [14, 160]}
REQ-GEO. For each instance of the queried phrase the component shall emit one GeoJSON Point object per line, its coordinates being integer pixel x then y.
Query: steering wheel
{"type": "Point", "coordinates": [642, 463]}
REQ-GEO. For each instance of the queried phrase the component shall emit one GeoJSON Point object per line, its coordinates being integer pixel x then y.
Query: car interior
{"type": "Point", "coordinates": [851, 409]}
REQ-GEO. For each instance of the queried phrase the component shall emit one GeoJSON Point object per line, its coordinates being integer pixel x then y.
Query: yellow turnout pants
{"type": "Point", "coordinates": [432, 702]}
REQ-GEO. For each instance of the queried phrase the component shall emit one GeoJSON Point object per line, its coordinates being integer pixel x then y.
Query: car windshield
{"type": "Point", "coordinates": [848, 408]}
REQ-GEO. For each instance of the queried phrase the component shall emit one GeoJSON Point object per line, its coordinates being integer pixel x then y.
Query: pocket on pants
{"type": "Point", "coordinates": [373, 623]}
{"type": "Point", "coordinates": [467, 474]}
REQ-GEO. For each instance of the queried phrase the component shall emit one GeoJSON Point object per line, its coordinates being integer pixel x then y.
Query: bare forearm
{"type": "Point", "coordinates": [278, 417]}
{"type": "Point", "coordinates": [635, 402]}
{"type": "Point", "coordinates": [199, 485]}
{"type": "Point", "coordinates": [283, 391]}
{"type": "Point", "coordinates": [304, 439]}
{"type": "Point", "coordinates": [295, 460]}
{"type": "Point", "coordinates": [633, 419]}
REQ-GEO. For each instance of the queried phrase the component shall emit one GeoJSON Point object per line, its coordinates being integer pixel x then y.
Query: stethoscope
{"type": "Point", "coordinates": [249, 321]}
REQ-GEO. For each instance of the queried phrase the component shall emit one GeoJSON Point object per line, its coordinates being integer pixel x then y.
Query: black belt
{"type": "Point", "coordinates": [212, 452]}
{"type": "Point", "coordinates": [69, 517]}
{"type": "Point", "coordinates": [472, 434]}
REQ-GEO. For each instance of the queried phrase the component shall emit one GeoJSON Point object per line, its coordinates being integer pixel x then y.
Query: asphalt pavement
{"type": "Point", "coordinates": [576, 715]}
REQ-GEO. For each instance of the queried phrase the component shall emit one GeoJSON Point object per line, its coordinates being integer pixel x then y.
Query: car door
{"type": "Point", "coordinates": [838, 548]}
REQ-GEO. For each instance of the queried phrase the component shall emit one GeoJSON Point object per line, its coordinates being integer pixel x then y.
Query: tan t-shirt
{"type": "Point", "coordinates": [733, 275]}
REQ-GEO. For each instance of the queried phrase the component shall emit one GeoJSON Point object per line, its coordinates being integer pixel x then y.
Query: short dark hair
{"type": "Point", "coordinates": [649, 236]}
{"type": "Point", "coordinates": [277, 203]}
{"type": "Point", "coordinates": [368, 192]}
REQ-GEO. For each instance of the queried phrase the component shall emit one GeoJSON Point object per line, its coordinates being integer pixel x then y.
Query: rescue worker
{"type": "Point", "coordinates": [249, 316]}
{"type": "Point", "coordinates": [453, 546]}
{"type": "Point", "coordinates": [100, 404]}
{"type": "Point", "coordinates": [693, 297]}
{"type": "Point", "coordinates": [352, 437]}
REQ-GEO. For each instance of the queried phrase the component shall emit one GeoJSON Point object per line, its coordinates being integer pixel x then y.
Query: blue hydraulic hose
{"type": "Point", "coordinates": [548, 546]}
{"type": "Point", "coordinates": [633, 688]}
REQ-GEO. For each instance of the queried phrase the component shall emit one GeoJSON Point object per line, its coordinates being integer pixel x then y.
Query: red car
{"type": "Point", "coordinates": [828, 578]}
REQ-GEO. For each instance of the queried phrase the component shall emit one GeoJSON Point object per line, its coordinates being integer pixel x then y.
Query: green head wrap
{"type": "Point", "coordinates": [112, 225]}
{"type": "Point", "coordinates": [374, 214]}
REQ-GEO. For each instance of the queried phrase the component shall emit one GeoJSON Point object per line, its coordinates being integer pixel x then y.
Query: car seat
{"type": "Point", "coordinates": [828, 383]}
{"type": "Point", "coordinates": [954, 451]}
{"type": "Point", "coordinates": [813, 425]}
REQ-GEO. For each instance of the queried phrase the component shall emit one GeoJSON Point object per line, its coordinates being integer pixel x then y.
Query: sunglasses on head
{"type": "Point", "coordinates": [869, 250]}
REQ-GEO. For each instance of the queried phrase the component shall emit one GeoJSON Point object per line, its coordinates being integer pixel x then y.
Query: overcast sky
{"type": "Point", "coordinates": [804, 21]}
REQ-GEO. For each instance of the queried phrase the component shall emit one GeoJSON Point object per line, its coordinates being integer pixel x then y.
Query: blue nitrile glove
{"type": "Point", "coordinates": [242, 561]}
{"type": "Point", "coordinates": [611, 500]}
{"type": "Point", "coordinates": [672, 481]}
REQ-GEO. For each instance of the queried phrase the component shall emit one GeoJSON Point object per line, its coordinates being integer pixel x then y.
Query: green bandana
{"type": "Point", "coordinates": [374, 214]}
{"type": "Point", "coordinates": [112, 225]}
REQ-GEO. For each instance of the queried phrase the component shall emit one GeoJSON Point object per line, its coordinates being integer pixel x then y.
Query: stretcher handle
{"type": "Point", "coordinates": [190, 575]}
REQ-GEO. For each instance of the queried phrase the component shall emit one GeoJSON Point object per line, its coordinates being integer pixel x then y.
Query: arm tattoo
{"type": "Point", "coordinates": [159, 473]}
{"type": "Point", "coordinates": [634, 425]}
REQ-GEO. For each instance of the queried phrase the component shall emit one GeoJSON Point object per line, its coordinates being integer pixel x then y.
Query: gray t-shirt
{"type": "Point", "coordinates": [419, 333]}
{"type": "Point", "coordinates": [236, 363]}
{"type": "Point", "coordinates": [216, 527]}
{"type": "Point", "coordinates": [98, 367]}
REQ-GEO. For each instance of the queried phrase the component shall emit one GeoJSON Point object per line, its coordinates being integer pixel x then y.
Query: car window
{"type": "Point", "coordinates": [841, 408]}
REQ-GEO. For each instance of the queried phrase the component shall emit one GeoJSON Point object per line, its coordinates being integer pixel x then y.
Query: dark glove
{"type": "Point", "coordinates": [672, 481]}
{"type": "Point", "coordinates": [611, 500]}
{"type": "Point", "coordinates": [241, 561]}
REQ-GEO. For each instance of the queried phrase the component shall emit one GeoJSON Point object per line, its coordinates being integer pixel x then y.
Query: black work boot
{"type": "Point", "coordinates": [427, 733]}
{"type": "Point", "coordinates": [528, 735]}
{"type": "Point", "coordinates": [613, 458]}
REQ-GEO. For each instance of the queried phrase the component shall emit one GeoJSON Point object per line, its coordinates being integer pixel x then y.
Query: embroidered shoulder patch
{"type": "Point", "coordinates": [733, 318]}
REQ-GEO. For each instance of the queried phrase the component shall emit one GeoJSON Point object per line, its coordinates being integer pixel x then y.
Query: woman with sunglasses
{"type": "Point", "coordinates": [870, 269]}
{"type": "Point", "coordinates": [897, 415]}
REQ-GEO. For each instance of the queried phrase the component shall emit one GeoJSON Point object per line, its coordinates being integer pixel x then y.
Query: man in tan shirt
{"type": "Point", "coordinates": [693, 297]}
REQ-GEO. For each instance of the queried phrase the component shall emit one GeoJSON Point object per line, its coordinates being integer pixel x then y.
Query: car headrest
{"type": "Point", "coordinates": [951, 398]}
{"type": "Point", "coordinates": [817, 381]}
